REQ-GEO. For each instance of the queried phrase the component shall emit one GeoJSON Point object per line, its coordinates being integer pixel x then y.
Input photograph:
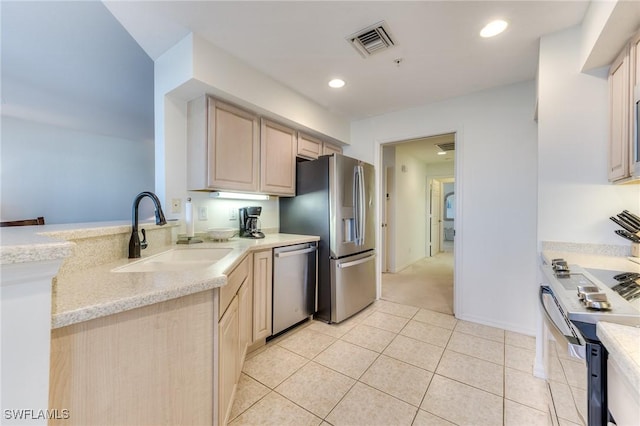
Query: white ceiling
{"type": "Point", "coordinates": [426, 151]}
{"type": "Point", "coordinates": [302, 44]}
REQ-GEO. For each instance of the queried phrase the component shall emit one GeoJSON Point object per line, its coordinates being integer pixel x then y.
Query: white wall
{"type": "Point", "coordinates": [575, 199]}
{"type": "Point", "coordinates": [77, 114]}
{"type": "Point", "coordinates": [69, 176]}
{"type": "Point", "coordinates": [218, 212]}
{"type": "Point", "coordinates": [496, 195]}
{"type": "Point", "coordinates": [409, 208]}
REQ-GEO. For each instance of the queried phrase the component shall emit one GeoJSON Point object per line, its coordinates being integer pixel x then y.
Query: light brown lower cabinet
{"type": "Point", "coordinates": [147, 366]}
{"type": "Point", "coordinates": [171, 363]}
{"type": "Point", "coordinates": [229, 360]}
{"type": "Point", "coordinates": [262, 294]}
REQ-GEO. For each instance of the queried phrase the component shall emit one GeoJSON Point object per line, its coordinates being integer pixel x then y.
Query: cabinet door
{"type": "Point", "coordinates": [245, 321]}
{"type": "Point", "coordinates": [278, 148]}
{"type": "Point", "coordinates": [635, 60]}
{"type": "Point", "coordinates": [148, 366]}
{"type": "Point", "coordinates": [309, 147]}
{"type": "Point", "coordinates": [328, 149]}
{"type": "Point", "coordinates": [262, 294]}
{"type": "Point", "coordinates": [233, 148]}
{"type": "Point", "coordinates": [619, 97]}
{"type": "Point", "coordinates": [228, 360]}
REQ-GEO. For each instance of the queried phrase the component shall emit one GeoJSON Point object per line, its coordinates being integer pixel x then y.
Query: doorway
{"type": "Point", "coordinates": [417, 245]}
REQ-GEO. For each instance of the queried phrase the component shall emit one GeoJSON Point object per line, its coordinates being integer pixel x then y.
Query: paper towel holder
{"type": "Point", "coordinates": [190, 237]}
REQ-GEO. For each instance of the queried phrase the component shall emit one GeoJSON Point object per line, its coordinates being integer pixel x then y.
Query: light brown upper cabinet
{"type": "Point", "coordinates": [624, 77]}
{"type": "Point", "coordinates": [309, 147]}
{"type": "Point", "coordinates": [230, 157]}
{"type": "Point", "coordinates": [278, 148]}
{"type": "Point", "coordinates": [619, 103]}
{"type": "Point", "coordinates": [328, 149]}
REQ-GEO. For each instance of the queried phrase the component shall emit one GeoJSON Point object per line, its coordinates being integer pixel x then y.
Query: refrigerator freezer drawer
{"type": "Point", "coordinates": [353, 285]}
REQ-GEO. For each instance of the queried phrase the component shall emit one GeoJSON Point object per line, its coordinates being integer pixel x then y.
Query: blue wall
{"type": "Point", "coordinates": [77, 114]}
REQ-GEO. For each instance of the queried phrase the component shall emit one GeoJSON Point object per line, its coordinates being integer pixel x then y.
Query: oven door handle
{"type": "Point", "coordinates": [574, 346]}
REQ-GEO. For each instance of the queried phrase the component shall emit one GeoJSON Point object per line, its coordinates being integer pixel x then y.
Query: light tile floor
{"type": "Point", "coordinates": [394, 364]}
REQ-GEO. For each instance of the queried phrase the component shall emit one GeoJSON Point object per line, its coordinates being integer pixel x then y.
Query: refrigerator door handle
{"type": "Point", "coordinates": [356, 262]}
{"type": "Point", "coordinates": [361, 204]}
{"type": "Point", "coordinates": [356, 209]}
{"type": "Point", "coordinates": [358, 204]}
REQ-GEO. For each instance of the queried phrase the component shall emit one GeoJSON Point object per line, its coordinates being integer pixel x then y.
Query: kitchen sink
{"type": "Point", "coordinates": [177, 260]}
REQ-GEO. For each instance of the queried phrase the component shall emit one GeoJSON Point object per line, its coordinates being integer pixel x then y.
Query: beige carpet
{"type": "Point", "coordinates": [427, 284]}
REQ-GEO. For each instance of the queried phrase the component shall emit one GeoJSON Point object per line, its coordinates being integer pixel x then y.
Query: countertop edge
{"type": "Point", "coordinates": [202, 281]}
{"type": "Point", "coordinates": [623, 344]}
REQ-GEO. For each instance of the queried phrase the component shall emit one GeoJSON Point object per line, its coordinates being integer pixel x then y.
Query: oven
{"type": "Point", "coordinates": [572, 300]}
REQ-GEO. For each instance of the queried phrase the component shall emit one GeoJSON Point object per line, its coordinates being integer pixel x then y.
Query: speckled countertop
{"type": "Point", "coordinates": [21, 244]}
{"type": "Point", "coordinates": [597, 261]}
{"type": "Point", "coordinates": [623, 344]}
{"type": "Point", "coordinates": [98, 291]}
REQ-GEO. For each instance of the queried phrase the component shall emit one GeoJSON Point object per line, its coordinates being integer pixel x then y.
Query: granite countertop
{"type": "Point", "coordinates": [22, 244]}
{"type": "Point", "coordinates": [596, 261]}
{"type": "Point", "coordinates": [623, 344]}
{"type": "Point", "coordinates": [97, 292]}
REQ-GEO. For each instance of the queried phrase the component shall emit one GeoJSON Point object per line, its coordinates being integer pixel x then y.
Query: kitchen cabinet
{"type": "Point", "coordinates": [228, 360]}
{"type": "Point", "coordinates": [245, 320]}
{"type": "Point", "coordinates": [309, 147]}
{"type": "Point", "coordinates": [235, 333]}
{"type": "Point", "coordinates": [278, 149]}
{"type": "Point", "coordinates": [624, 76]}
{"type": "Point", "coordinates": [328, 149]}
{"type": "Point", "coordinates": [150, 365]}
{"type": "Point", "coordinates": [262, 294]}
{"type": "Point", "coordinates": [223, 146]}
{"type": "Point", "coordinates": [619, 116]}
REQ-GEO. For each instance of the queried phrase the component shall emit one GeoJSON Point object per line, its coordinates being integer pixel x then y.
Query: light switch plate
{"type": "Point", "coordinates": [176, 205]}
{"type": "Point", "coordinates": [202, 213]}
{"type": "Point", "coordinates": [233, 214]}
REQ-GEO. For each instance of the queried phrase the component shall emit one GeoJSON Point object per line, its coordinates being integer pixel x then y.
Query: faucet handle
{"type": "Point", "coordinates": [143, 243]}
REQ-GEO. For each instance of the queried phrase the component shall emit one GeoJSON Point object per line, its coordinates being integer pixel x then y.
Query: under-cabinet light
{"type": "Point", "coordinates": [238, 196]}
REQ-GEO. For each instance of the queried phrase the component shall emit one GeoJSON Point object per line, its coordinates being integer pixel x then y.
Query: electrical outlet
{"type": "Point", "coordinates": [233, 214]}
{"type": "Point", "coordinates": [176, 205]}
{"type": "Point", "coordinates": [202, 213]}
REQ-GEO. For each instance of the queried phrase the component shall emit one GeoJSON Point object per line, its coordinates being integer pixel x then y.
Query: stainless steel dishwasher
{"type": "Point", "coordinates": [295, 284]}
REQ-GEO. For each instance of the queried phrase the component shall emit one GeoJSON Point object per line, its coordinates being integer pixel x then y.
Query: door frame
{"type": "Point", "coordinates": [458, 272]}
{"type": "Point", "coordinates": [387, 245]}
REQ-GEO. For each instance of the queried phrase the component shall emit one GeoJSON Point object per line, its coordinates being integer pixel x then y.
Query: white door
{"type": "Point", "coordinates": [435, 217]}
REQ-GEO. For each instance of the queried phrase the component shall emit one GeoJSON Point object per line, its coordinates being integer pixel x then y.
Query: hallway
{"type": "Point", "coordinates": [426, 284]}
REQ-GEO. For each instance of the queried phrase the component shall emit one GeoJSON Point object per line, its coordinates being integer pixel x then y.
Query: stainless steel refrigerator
{"type": "Point", "coordinates": [335, 200]}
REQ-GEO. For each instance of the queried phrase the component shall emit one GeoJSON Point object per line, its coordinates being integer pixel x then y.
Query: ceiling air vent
{"type": "Point", "coordinates": [371, 39]}
{"type": "Point", "coordinates": [448, 146]}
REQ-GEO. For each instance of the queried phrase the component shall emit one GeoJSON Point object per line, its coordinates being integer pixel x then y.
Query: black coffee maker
{"type": "Point", "coordinates": [248, 218]}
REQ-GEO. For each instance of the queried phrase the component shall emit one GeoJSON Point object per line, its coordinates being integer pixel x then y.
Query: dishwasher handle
{"type": "Point", "coordinates": [295, 252]}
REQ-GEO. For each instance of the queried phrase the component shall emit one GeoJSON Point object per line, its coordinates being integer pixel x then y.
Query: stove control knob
{"type": "Point", "coordinates": [597, 301]}
{"type": "Point", "coordinates": [586, 289]}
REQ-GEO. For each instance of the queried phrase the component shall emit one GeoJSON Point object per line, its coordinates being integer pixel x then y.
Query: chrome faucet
{"type": "Point", "coordinates": [134, 243]}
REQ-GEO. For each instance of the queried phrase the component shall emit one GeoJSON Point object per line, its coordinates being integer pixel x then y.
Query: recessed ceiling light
{"type": "Point", "coordinates": [336, 83]}
{"type": "Point", "coordinates": [442, 152]}
{"type": "Point", "coordinates": [494, 28]}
